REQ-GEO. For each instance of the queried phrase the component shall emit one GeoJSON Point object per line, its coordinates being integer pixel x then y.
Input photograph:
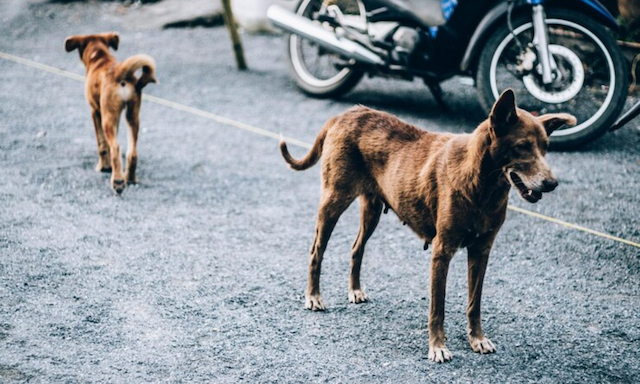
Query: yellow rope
{"type": "Point", "coordinates": [571, 225]}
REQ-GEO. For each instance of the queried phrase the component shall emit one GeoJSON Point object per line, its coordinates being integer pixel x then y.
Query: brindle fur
{"type": "Point", "coordinates": [110, 88]}
{"type": "Point", "coordinates": [452, 190]}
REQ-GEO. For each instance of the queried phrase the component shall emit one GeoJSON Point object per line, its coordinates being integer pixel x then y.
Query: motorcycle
{"type": "Point", "coordinates": [557, 55]}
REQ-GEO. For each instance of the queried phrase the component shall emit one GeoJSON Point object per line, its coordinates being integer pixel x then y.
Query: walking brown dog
{"type": "Point", "coordinates": [111, 87]}
{"type": "Point", "coordinates": [452, 190]}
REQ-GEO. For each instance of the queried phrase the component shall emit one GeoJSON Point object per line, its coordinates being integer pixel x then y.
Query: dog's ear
{"type": "Point", "coordinates": [112, 40]}
{"type": "Point", "coordinates": [71, 43]}
{"type": "Point", "coordinates": [503, 114]}
{"type": "Point", "coordinates": [553, 121]}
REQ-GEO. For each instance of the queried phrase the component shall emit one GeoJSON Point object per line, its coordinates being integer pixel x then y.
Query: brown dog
{"type": "Point", "coordinates": [452, 190]}
{"type": "Point", "coordinates": [110, 88]}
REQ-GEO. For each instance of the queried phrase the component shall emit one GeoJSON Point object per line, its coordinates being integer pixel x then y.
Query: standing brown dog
{"type": "Point", "coordinates": [110, 88]}
{"type": "Point", "coordinates": [452, 190]}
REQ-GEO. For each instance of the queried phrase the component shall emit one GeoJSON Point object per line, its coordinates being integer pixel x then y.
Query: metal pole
{"type": "Point", "coordinates": [230, 22]}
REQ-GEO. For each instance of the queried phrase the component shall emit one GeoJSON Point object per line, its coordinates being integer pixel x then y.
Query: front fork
{"type": "Point", "coordinates": [541, 43]}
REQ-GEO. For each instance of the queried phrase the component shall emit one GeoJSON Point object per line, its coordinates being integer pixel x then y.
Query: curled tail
{"type": "Point", "coordinates": [128, 68]}
{"type": "Point", "coordinates": [314, 154]}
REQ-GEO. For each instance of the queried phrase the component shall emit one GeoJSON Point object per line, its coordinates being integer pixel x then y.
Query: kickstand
{"type": "Point", "coordinates": [627, 117]}
{"type": "Point", "coordinates": [436, 91]}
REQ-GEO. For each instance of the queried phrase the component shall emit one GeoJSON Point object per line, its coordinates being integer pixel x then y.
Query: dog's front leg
{"type": "Point", "coordinates": [478, 257]}
{"type": "Point", "coordinates": [440, 258]}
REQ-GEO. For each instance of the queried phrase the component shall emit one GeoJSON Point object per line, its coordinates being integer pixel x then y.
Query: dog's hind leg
{"type": "Point", "coordinates": [478, 256]}
{"type": "Point", "coordinates": [104, 162]}
{"type": "Point", "coordinates": [332, 205]}
{"type": "Point", "coordinates": [370, 211]}
{"type": "Point", "coordinates": [440, 257]}
{"type": "Point", "coordinates": [110, 127]}
{"type": "Point", "coordinates": [133, 120]}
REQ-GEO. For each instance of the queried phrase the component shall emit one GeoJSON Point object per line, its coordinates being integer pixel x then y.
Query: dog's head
{"type": "Point", "coordinates": [519, 143]}
{"type": "Point", "coordinates": [88, 45]}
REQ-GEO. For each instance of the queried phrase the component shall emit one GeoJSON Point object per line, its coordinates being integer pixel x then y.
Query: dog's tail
{"type": "Point", "coordinates": [128, 67]}
{"type": "Point", "coordinates": [314, 154]}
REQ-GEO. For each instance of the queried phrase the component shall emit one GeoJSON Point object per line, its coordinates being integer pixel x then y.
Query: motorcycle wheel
{"type": "Point", "coordinates": [316, 71]}
{"type": "Point", "coordinates": [594, 82]}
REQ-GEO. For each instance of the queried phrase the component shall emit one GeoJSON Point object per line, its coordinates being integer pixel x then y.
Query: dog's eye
{"type": "Point", "coordinates": [523, 147]}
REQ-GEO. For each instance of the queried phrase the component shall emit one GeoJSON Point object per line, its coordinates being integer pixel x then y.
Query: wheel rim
{"type": "Point", "coordinates": [588, 105]}
{"type": "Point", "coordinates": [312, 63]}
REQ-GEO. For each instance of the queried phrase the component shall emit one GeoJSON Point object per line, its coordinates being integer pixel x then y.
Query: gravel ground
{"type": "Point", "coordinates": [197, 274]}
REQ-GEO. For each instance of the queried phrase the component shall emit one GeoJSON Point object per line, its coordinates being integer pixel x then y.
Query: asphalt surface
{"type": "Point", "coordinates": [197, 274]}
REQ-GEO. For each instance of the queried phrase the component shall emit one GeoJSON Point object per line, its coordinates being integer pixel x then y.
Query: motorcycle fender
{"type": "Point", "coordinates": [498, 13]}
{"type": "Point", "coordinates": [486, 24]}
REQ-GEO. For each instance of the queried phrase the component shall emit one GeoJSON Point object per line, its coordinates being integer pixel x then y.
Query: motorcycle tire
{"type": "Point", "coordinates": [573, 137]}
{"type": "Point", "coordinates": [338, 85]}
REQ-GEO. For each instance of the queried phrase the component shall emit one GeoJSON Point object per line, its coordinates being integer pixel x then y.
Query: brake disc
{"type": "Point", "coordinates": [567, 91]}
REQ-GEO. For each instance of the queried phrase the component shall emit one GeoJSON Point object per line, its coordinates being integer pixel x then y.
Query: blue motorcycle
{"type": "Point", "coordinates": [557, 55]}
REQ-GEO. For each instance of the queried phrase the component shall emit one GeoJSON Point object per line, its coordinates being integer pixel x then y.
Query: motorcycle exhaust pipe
{"type": "Point", "coordinates": [306, 28]}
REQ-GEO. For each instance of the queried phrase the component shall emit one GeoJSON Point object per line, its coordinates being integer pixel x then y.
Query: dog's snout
{"type": "Point", "coordinates": [549, 185]}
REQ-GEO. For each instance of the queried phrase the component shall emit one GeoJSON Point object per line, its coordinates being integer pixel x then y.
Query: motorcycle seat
{"type": "Point", "coordinates": [429, 13]}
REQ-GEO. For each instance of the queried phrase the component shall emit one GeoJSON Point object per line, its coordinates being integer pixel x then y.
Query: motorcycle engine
{"type": "Point", "coordinates": [405, 42]}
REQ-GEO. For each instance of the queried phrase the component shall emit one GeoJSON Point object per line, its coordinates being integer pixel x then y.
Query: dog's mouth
{"type": "Point", "coordinates": [526, 193]}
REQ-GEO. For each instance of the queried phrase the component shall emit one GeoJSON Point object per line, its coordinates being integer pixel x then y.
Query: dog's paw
{"type": "Point", "coordinates": [314, 303]}
{"type": "Point", "coordinates": [357, 296]}
{"type": "Point", "coordinates": [481, 345]}
{"type": "Point", "coordinates": [439, 354]}
{"type": "Point", "coordinates": [118, 185]}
